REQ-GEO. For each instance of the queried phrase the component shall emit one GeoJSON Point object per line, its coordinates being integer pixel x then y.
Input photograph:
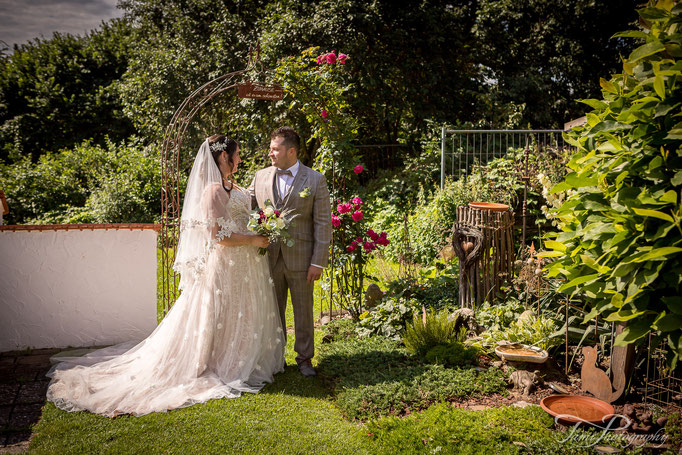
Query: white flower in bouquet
{"type": "Point", "coordinates": [271, 223]}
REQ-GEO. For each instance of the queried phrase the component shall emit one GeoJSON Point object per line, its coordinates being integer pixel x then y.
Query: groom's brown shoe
{"type": "Point", "coordinates": [306, 369]}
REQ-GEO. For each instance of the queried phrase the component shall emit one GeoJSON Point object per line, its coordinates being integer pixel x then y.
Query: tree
{"type": "Point", "coordinates": [545, 53]}
{"type": "Point", "coordinates": [58, 92]}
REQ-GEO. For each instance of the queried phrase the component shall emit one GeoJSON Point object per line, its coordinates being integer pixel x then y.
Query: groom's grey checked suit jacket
{"type": "Point", "coordinates": [311, 232]}
{"type": "Point", "coordinates": [311, 228]}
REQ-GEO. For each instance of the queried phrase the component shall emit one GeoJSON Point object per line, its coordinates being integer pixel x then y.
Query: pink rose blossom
{"type": "Point", "coordinates": [324, 114]}
{"type": "Point", "coordinates": [357, 215]}
{"type": "Point", "coordinates": [359, 240]}
{"type": "Point", "coordinates": [336, 221]}
{"type": "Point", "coordinates": [344, 208]}
{"type": "Point", "coordinates": [373, 235]}
{"type": "Point", "coordinates": [357, 169]}
{"type": "Point", "coordinates": [331, 57]}
{"type": "Point", "coordinates": [382, 240]}
{"type": "Point", "coordinates": [277, 213]}
{"type": "Point", "coordinates": [369, 246]}
{"type": "Point", "coordinates": [342, 58]}
{"type": "Point", "coordinates": [350, 248]}
{"type": "Point", "coordinates": [356, 201]}
{"type": "Point", "coordinates": [320, 59]}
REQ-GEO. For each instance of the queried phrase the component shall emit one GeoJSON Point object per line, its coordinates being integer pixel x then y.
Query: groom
{"type": "Point", "coordinates": [292, 186]}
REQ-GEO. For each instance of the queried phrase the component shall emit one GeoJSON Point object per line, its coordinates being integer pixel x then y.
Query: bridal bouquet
{"type": "Point", "coordinates": [271, 223]}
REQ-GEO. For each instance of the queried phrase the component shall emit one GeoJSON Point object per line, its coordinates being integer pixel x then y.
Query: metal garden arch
{"type": "Point", "coordinates": [170, 158]}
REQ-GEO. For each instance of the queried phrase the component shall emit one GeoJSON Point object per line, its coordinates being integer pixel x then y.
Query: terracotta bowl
{"type": "Point", "coordinates": [492, 206]}
{"type": "Point", "coordinates": [577, 409]}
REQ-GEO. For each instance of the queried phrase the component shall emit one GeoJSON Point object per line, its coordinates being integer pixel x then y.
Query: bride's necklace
{"type": "Point", "coordinates": [225, 182]}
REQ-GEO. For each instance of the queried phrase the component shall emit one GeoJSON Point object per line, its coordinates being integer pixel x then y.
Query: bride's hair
{"type": "Point", "coordinates": [218, 143]}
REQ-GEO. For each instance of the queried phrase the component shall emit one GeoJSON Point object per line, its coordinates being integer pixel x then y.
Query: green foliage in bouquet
{"type": "Point", "coordinates": [620, 245]}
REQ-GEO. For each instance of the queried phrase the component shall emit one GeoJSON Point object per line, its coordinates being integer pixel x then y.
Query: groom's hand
{"type": "Point", "coordinates": [314, 273]}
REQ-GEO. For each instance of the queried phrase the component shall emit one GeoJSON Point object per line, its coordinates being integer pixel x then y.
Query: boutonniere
{"type": "Point", "coordinates": [305, 193]}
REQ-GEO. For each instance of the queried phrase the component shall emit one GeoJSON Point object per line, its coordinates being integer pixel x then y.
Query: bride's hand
{"type": "Point", "coordinates": [260, 241]}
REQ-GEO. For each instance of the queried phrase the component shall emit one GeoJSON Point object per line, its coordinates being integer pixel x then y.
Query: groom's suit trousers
{"type": "Point", "coordinates": [302, 303]}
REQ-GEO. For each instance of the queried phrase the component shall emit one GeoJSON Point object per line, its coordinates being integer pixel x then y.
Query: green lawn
{"type": "Point", "coordinates": [292, 415]}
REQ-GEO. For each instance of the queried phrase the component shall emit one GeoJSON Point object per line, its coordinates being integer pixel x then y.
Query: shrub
{"type": "Point", "coordinates": [542, 331]}
{"type": "Point", "coordinates": [452, 354]}
{"type": "Point", "coordinates": [115, 183]}
{"type": "Point", "coordinates": [388, 318]}
{"type": "Point", "coordinates": [619, 245]}
{"type": "Point", "coordinates": [500, 314]}
{"type": "Point", "coordinates": [430, 223]}
{"type": "Point", "coordinates": [438, 328]}
{"type": "Point", "coordinates": [436, 287]}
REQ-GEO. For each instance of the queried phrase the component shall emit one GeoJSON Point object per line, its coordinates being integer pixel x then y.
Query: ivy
{"type": "Point", "coordinates": [620, 245]}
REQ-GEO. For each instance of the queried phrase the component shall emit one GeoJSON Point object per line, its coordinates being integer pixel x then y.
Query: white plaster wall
{"type": "Point", "coordinates": [61, 288]}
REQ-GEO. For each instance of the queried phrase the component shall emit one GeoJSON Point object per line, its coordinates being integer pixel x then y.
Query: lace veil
{"type": "Point", "coordinates": [203, 210]}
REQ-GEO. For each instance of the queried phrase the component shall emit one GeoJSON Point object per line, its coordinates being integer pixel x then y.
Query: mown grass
{"type": "Point", "coordinates": [292, 415]}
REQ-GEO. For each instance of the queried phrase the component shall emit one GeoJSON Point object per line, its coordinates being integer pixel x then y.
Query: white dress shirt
{"type": "Point", "coordinates": [285, 181]}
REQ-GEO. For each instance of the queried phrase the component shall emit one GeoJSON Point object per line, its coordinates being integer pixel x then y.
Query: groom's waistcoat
{"type": "Point", "coordinates": [308, 200]}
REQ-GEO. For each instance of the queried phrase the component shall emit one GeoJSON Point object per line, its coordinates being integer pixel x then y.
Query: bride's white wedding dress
{"type": "Point", "coordinates": [223, 335]}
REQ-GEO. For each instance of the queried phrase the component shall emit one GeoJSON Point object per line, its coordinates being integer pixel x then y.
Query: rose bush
{"type": "Point", "coordinates": [353, 243]}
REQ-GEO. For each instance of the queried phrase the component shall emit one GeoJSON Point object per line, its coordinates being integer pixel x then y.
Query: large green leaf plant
{"type": "Point", "coordinates": [620, 245]}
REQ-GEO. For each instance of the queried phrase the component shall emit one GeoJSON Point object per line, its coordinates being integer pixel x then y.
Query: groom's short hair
{"type": "Point", "coordinates": [290, 137]}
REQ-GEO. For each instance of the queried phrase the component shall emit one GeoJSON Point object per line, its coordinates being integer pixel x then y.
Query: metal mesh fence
{"type": "Point", "coordinates": [461, 149]}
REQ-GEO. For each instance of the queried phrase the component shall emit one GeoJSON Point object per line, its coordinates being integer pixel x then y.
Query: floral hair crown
{"type": "Point", "coordinates": [218, 147]}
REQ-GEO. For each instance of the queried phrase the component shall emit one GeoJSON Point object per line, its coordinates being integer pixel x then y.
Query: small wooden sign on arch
{"type": "Point", "coordinates": [256, 91]}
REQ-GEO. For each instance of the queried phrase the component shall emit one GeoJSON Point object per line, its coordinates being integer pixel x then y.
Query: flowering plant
{"type": "Point", "coordinates": [271, 223]}
{"type": "Point", "coordinates": [318, 85]}
{"type": "Point", "coordinates": [353, 242]}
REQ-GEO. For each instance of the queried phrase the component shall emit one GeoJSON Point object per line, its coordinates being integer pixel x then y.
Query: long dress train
{"type": "Point", "coordinates": [223, 335]}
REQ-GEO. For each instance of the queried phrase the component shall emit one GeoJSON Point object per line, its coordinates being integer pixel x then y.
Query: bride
{"type": "Point", "coordinates": [223, 335]}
